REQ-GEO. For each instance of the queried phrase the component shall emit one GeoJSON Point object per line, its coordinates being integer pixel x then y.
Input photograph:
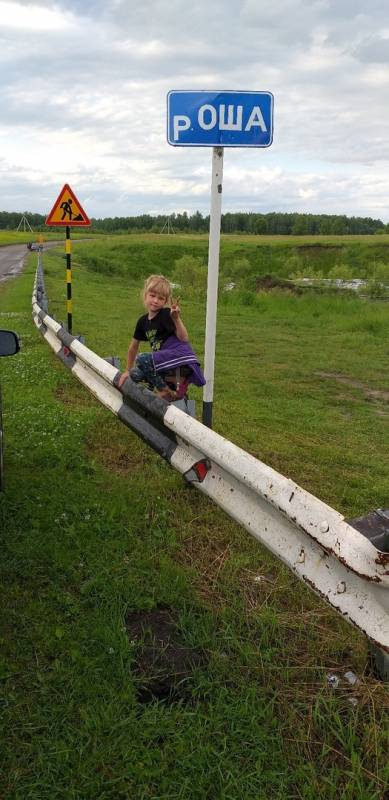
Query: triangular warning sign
{"type": "Point", "coordinates": [67, 210]}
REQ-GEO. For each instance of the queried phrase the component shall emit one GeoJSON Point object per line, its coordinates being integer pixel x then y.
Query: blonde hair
{"type": "Point", "coordinates": [159, 284]}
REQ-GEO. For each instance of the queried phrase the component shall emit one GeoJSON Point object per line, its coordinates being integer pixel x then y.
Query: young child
{"type": "Point", "coordinates": [163, 328]}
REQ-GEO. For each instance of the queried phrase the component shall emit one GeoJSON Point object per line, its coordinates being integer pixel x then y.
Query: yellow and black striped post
{"type": "Point", "coordinates": [68, 251]}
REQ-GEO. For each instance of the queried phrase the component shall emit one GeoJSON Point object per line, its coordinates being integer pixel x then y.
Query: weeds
{"type": "Point", "coordinates": [95, 527]}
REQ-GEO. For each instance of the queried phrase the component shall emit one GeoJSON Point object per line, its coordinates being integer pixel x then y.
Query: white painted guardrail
{"type": "Point", "coordinates": [337, 561]}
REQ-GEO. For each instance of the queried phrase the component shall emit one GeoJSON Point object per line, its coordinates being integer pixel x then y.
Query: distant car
{"type": "Point", "coordinates": [9, 345]}
{"type": "Point", "coordinates": [32, 246]}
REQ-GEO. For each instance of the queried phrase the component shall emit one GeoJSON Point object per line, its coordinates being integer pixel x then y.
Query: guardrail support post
{"type": "Point", "coordinates": [375, 526]}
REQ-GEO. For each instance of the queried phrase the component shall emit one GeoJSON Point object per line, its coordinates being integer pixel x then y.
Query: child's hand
{"type": "Point", "coordinates": [175, 309]}
{"type": "Point", "coordinates": [123, 378]}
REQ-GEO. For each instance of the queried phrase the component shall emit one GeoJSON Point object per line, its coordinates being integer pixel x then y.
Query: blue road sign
{"type": "Point", "coordinates": [219, 119]}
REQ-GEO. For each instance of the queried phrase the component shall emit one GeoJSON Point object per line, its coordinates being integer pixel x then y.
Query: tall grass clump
{"type": "Point", "coordinates": [190, 273]}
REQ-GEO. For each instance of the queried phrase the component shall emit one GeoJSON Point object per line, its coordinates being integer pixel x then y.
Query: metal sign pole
{"type": "Point", "coordinates": [68, 250]}
{"type": "Point", "coordinates": [213, 279]}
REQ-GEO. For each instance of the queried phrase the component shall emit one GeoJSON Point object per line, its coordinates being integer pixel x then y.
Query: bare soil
{"type": "Point", "coordinates": [164, 663]}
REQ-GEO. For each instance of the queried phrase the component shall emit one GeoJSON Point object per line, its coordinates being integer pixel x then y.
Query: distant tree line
{"type": "Point", "coordinates": [274, 223]}
{"type": "Point", "coordinates": [241, 222]}
{"type": "Point", "coordinates": [9, 220]}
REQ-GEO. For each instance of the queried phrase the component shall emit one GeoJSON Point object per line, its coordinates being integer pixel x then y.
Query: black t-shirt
{"type": "Point", "coordinates": [155, 330]}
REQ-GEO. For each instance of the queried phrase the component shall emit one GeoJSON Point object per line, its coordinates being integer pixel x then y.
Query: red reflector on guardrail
{"type": "Point", "coordinates": [198, 472]}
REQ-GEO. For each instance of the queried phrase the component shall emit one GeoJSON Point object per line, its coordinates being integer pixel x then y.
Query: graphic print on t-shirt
{"type": "Point", "coordinates": [154, 342]}
{"type": "Point", "coordinates": [155, 330]}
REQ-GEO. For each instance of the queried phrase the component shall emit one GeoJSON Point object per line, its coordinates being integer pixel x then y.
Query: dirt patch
{"type": "Point", "coordinates": [370, 394]}
{"type": "Point", "coordinates": [382, 413]}
{"type": "Point", "coordinates": [308, 249]}
{"type": "Point", "coordinates": [117, 450]}
{"type": "Point", "coordinates": [266, 283]}
{"type": "Point", "coordinates": [256, 589]}
{"type": "Point", "coordinates": [164, 665]}
{"type": "Point", "coordinates": [377, 394]}
{"type": "Point", "coordinates": [74, 395]}
{"type": "Point", "coordinates": [207, 557]}
{"type": "Point", "coordinates": [120, 457]}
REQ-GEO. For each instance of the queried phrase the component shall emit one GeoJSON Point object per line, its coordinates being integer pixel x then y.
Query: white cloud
{"type": "Point", "coordinates": [90, 107]}
{"type": "Point", "coordinates": [307, 194]}
{"type": "Point", "coordinates": [32, 18]}
{"type": "Point", "coordinates": [376, 76]}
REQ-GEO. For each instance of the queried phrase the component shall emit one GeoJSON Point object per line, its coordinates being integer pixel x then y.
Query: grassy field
{"type": "Point", "coordinates": [21, 237]}
{"type": "Point", "coordinates": [242, 258]}
{"type": "Point", "coordinates": [96, 528]}
{"type": "Point", "coordinates": [17, 237]}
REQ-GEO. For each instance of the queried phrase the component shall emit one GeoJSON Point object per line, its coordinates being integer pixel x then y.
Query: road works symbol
{"type": "Point", "coordinates": [67, 210]}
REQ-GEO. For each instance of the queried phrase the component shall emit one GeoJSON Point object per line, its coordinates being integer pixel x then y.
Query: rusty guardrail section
{"type": "Point", "coordinates": [330, 555]}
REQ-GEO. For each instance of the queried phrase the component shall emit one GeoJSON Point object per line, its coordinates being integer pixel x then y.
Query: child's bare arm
{"type": "Point", "coordinates": [131, 356]}
{"type": "Point", "coordinates": [132, 353]}
{"type": "Point", "coordinates": [181, 332]}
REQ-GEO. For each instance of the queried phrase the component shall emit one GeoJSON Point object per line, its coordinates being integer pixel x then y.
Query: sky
{"type": "Point", "coordinates": [83, 101]}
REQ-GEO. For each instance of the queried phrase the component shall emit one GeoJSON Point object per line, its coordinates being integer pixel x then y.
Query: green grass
{"type": "Point", "coordinates": [242, 258]}
{"type": "Point", "coordinates": [16, 237]}
{"type": "Point", "coordinates": [21, 237]}
{"type": "Point", "coordinates": [95, 525]}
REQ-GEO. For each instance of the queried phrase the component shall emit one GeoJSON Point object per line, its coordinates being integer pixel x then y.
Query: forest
{"type": "Point", "coordinates": [274, 223]}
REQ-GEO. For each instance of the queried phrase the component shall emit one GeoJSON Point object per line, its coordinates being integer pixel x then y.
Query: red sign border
{"type": "Point", "coordinates": [72, 224]}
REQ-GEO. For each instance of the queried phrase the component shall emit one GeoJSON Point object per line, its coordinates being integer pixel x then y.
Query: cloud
{"type": "Point", "coordinates": [85, 101]}
{"type": "Point", "coordinates": [32, 18]}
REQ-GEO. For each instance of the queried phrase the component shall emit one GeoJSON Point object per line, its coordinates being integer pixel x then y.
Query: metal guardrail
{"type": "Point", "coordinates": [331, 556]}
